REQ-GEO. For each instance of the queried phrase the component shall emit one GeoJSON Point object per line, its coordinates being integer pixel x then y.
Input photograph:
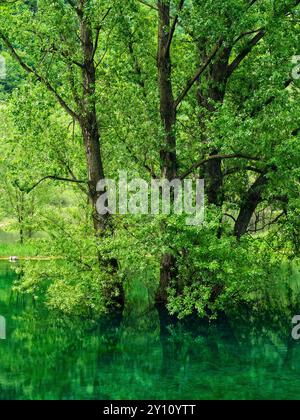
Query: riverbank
{"type": "Point", "coordinates": [23, 252]}
{"type": "Point", "coordinates": [17, 249]}
{"type": "Point", "coordinates": [37, 258]}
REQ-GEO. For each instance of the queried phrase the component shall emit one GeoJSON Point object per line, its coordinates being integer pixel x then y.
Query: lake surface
{"type": "Point", "coordinates": [143, 357]}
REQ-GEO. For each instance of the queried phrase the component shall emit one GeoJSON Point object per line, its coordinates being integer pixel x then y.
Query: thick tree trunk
{"type": "Point", "coordinates": [89, 123]}
{"type": "Point", "coordinates": [95, 169]}
{"type": "Point", "coordinates": [210, 97]}
{"type": "Point", "coordinates": [168, 272]}
{"type": "Point", "coordinates": [168, 158]}
{"type": "Point", "coordinates": [167, 107]}
{"type": "Point", "coordinates": [91, 137]}
{"type": "Point", "coordinates": [252, 199]}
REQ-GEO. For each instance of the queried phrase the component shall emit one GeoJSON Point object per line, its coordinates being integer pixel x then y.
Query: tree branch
{"type": "Point", "coordinates": [73, 4]}
{"type": "Point", "coordinates": [237, 61]}
{"type": "Point", "coordinates": [135, 157]}
{"type": "Point", "coordinates": [40, 78]}
{"type": "Point", "coordinates": [64, 54]}
{"type": "Point", "coordinates": [198, 73]}
{"type": "Point", "coordinates": [151, 6]}
{"type": "Point", "coordinates": [245, 168]}
{"type": "Point", "coordinates": [230, 216]}
{"type": "Point", "coordinates": [244, 34]}
{"type": "Point", "coordinates": [53, 177]}
{"type": "Point", "coordinates": [283, 213]}
{"type": "Point", "coordinates": [214, 157]}
{"type": "Point", "coordinates": [98, 30]}
{"type": "Point", "coordinates": [173, 27]}
{"type": "Point", "coordinates": [74, 178]}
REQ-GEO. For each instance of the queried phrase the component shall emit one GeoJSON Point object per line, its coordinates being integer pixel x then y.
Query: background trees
{"type": "Point", "coordinates": [166, 88]}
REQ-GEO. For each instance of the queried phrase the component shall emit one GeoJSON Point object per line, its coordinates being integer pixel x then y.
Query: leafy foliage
{"type": "Point", "coordinates": [240, 113]}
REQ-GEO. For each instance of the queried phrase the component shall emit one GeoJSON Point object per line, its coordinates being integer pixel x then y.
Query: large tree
{"type": "Point", "coordinates": [59, 45]}
{"type": "Point", "coordinates": [171, 89]}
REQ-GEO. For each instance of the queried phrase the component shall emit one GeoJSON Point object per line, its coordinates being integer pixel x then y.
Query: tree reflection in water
{"type": "Point", "coordinates": [145, 354]}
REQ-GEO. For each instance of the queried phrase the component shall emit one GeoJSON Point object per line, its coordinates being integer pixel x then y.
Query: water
{"type": "Point", "coordinates": [141, 357]}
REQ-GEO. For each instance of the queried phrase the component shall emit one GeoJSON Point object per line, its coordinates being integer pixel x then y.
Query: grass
{"type": "Point", "coordinates": [17, 249]}
{"type": "Point", "coordinates": [10, 245]}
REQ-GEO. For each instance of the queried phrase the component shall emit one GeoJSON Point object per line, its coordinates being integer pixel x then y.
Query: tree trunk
{"type": "Point", "coordinates": [249, 205]}
{"type": "Point", "coordinates": [168, 271]}
{"type": "Point", "coordinates": [91, 137]}
{"type": "Point", "coordinates": [217, 81]}
{"type": "Point", "coordinates": [89, 124]}
{"type": "Point", "coordinates": [168, 158]}
{"type": "Point", "coordinates": [21, 236]}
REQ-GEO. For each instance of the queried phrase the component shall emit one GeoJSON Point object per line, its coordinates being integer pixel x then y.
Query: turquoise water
{"type": "Point", "coordinates": [143, 356]}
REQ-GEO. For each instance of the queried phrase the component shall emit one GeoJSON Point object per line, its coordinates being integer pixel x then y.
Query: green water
{"type": "Point", "coordinates": [142, 357]}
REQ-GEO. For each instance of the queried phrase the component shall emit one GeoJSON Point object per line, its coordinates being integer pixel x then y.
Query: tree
{"type": "Point", "coordinates": [78, 75]}
{"type": "Point", "coordinates": [64, 62]}
{"type": "Point", "coordinates": [219, 60]}
{"type": "Point", "coordinates": [165, 89]}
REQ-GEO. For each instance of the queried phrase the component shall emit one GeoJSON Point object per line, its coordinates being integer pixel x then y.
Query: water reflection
{"type": "Point", "coordinates": [145, 355]}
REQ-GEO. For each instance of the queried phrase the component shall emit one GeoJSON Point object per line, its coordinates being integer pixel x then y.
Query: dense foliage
{"type": "Point", "coordinates": [170, 89]}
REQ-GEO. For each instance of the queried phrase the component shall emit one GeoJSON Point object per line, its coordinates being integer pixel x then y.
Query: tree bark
{"type": "Point", "coordinates": [217, 79]}
{"type": "Point", "coordinates": [168, 272]}
{"type": "Point", "coordinates": [252, 199]}
{"type": "Point", "coordinates": [91, 137]}
{"type": "Point", "coordinates": [168, 158]}
{"type": "Point", "coordinates": [89, 123]}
